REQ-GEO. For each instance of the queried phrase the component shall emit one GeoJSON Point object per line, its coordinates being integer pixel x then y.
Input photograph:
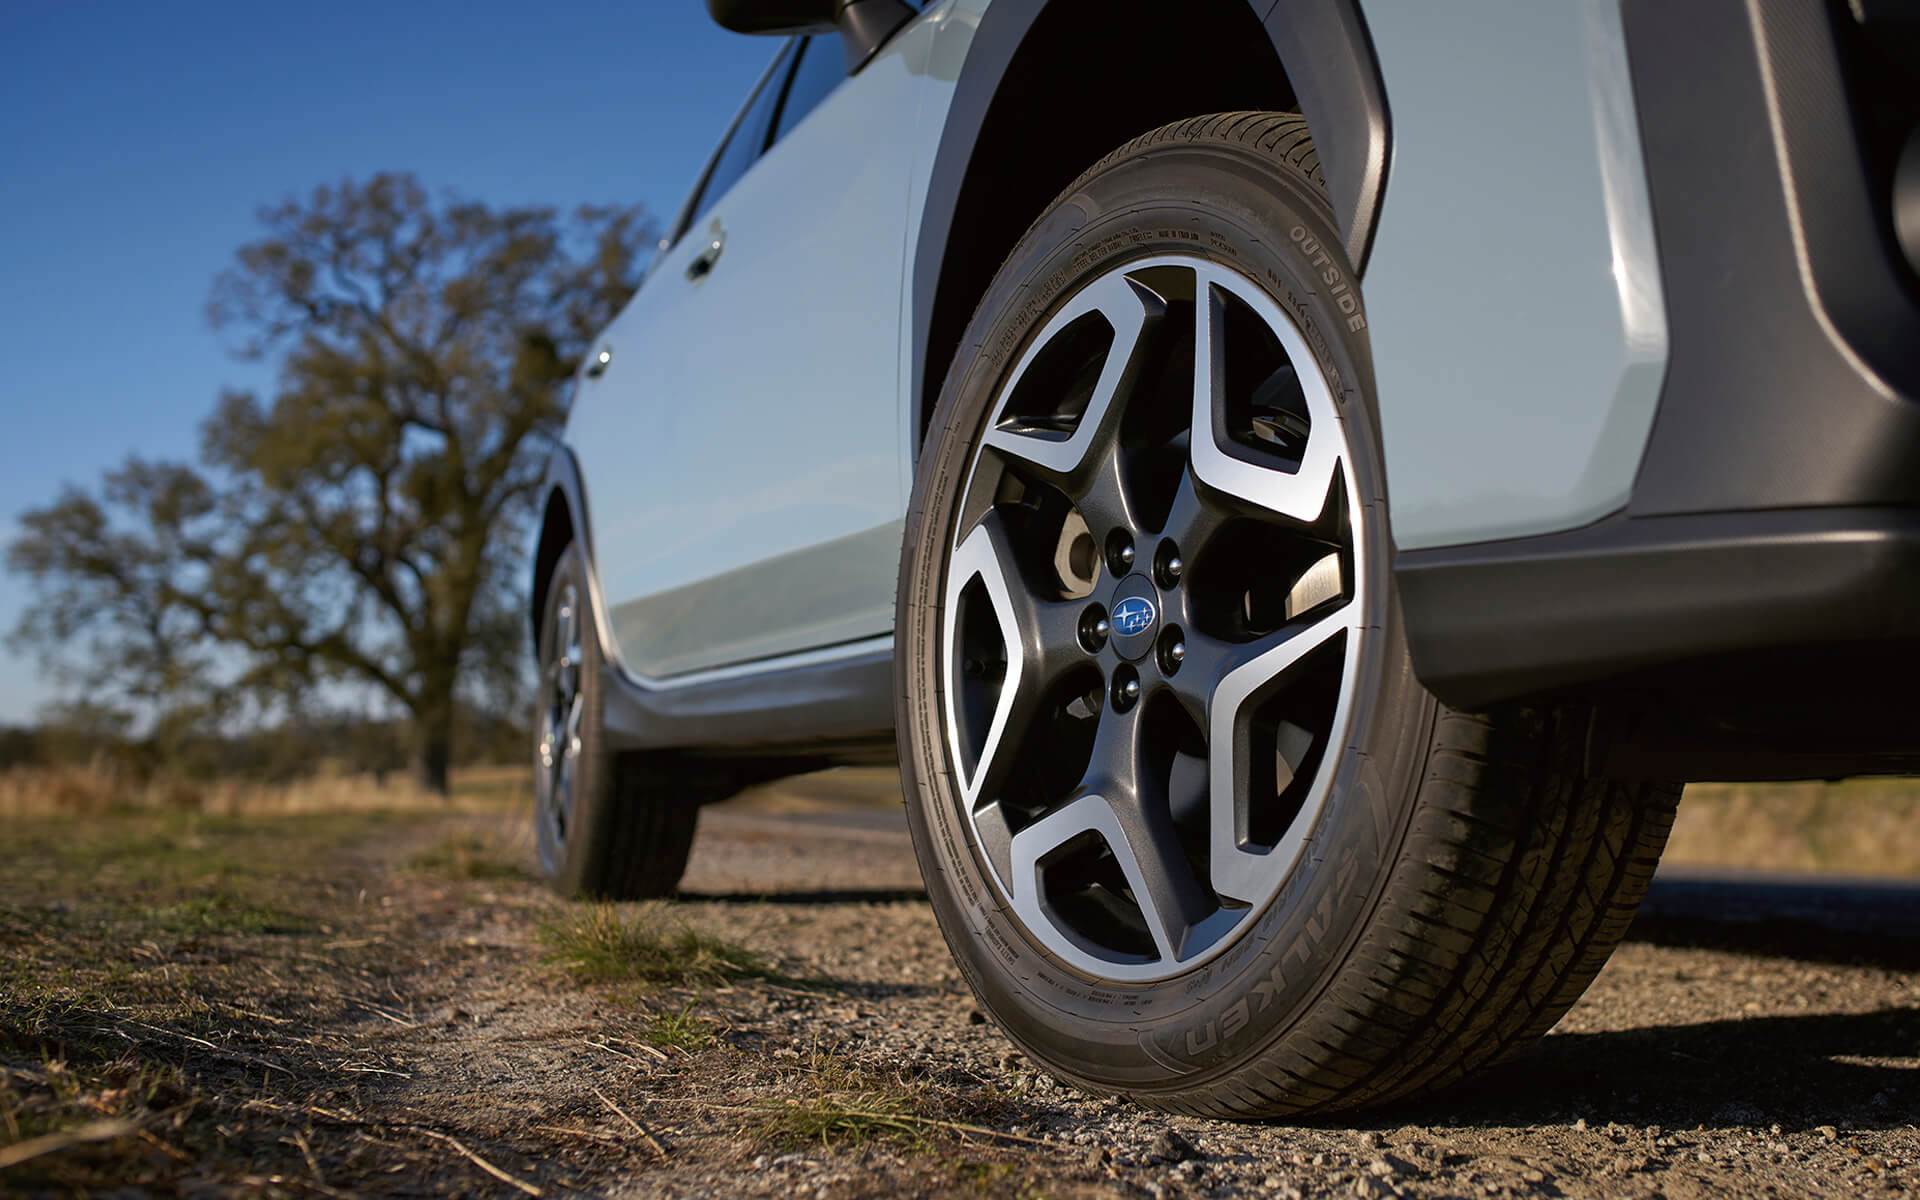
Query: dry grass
{"type": "Point", "coordinates": [833, 790]}
{"type": "Point", "coordinates": [473, 856]}
{"type": "Point", "coordinates": [1855, 827]}
{"type": "Point", "coordinates": [839, 1108]}
{"type": "Point", "coordinates": [646, 946]}
{"type": "Point", "coordinates": [829, 1101]}
{"type": "Point", "coordinates": [100, 790]}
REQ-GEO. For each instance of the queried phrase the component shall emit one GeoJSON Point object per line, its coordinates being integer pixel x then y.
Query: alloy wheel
{"type": "Point", "coordinates": [1152, 618]}
{"type": "Point", "coordinates": [557, 718]}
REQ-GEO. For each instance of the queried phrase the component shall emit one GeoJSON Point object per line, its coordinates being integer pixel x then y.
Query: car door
{"type": "Point", "coordinates": [741, 452]}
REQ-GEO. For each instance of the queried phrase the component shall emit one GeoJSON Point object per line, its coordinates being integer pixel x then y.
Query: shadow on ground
{"type": "Point", "coordinates": [1799, 1072]}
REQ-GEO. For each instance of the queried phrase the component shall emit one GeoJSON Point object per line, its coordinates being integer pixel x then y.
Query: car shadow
{"type": "Point", "coordinates": [1818, 920]}
{"type": "Point", "coordinates": [1799, 1072]}
{"type": "Point", "coordinates": [809, 896]}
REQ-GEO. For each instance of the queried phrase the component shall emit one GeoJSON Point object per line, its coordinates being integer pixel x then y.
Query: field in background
{"type": "Point", "coordinates": [96, 791]}
{"type": "Point", "coordinates": [1854, 827]}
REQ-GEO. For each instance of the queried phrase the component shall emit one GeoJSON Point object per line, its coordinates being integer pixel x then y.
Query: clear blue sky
{"type": "Point", "coordinates": [137, 140]}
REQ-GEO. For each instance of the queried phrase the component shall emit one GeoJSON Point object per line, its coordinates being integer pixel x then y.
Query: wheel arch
{"type": "Point", "coordinates": [1076, 60]}
{"type": "Point", "coordinates": [562, 520]}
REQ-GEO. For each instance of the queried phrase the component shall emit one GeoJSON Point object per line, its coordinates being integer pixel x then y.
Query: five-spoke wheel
{"type": "Point", "coordinates": [1152, 609]}
{"type": "Point", "coordinates": [557, 720]}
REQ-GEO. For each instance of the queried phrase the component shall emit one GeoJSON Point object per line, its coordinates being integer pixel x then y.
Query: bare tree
{"type": "Point", "coordinates": [362, 522]}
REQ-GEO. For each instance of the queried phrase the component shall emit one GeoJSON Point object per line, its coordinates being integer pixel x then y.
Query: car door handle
{"type": "Point", "coordinates": [702, 263]}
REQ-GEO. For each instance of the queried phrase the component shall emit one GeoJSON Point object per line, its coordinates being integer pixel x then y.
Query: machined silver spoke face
{"type": "Point", "coordinates": [558, 719]}
{"type": "Point", "coordinates": [1152, 616]}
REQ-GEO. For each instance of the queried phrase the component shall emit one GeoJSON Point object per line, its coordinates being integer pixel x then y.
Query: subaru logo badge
{"type": "Point", "coordinates": [1133, 615]}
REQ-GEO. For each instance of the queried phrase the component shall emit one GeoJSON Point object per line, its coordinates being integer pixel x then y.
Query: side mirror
{"type": "Point", "coordinates": [864, 25]}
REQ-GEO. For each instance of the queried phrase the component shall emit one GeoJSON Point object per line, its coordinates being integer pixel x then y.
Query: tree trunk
{"type": "Point", "coordinates": [433, 748]}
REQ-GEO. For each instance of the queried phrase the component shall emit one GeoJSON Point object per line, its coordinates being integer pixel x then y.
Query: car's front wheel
{"type": "Point", "coordinates": [1191, 827]}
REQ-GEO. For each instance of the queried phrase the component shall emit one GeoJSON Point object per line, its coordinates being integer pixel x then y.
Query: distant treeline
{"type": "Point", "coordinates": [284, 752]}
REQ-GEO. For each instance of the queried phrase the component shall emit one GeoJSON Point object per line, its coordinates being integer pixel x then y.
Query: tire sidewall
{"type": "Point", "coordinates": [1241, 210]}
{"type": "Point", "coordinates": [567, 864]}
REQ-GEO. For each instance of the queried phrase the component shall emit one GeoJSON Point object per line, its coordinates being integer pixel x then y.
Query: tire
{"type": "Point", "coordinates": [604, 826]}
{"type": "Point", "coordinates": [1461, 877]}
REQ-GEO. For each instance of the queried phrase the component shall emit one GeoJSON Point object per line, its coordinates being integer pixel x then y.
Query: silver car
{"type": "Point", "coordinates": [1295, 486]}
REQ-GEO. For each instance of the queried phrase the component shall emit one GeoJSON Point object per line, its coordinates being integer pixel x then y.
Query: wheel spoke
{"type": "Point", "coordinates": [1171, 896]}
{"type": "Point", "coordinates": [1040, 637]}
{"type": "Point", "coordinates": [1207, 661]}
{"type": "Point", "coordinates": [1102, 495]}
{"type": "Point", "coordinates": [1064, 461]}
{"type": "Point", "coordinates": [1096, 814]}
{"type": "Point", "coordinates": [1239, 871]}
{"type": "Point", "coordinates": [1193, 519]}
{"type": "Point", "coordinates": [1300, 495]}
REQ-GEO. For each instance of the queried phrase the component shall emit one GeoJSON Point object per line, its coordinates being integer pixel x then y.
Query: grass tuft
{"type": "Point", "coordinates": [830, 1102]}
{"type": "Point", "coordinates": [470, 856]}
{"type": "Point", "coordinates": [680, 1031]}
{"type": "Point", "coordinates": [223, 913]}
{"type": "Point", "coordinates": [597, 943]}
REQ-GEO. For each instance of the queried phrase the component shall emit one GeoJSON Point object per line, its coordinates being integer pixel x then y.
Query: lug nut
{"type": "Point", "coordinates": [1177, 652]}
{"type": "Point", "coordinates": [1094, 629]}
{"type": "Point", "coordinates": [1131, 689]}
{"type": "Point", "coordinates": [1125, 555]}
{"type": "Point", "coordinates": [1174, 567]}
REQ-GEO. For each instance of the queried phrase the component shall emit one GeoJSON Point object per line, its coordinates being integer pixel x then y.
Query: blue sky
{"type": "Point", "coordinates": [137, 141]}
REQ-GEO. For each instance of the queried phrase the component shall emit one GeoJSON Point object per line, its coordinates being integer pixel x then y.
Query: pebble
{"type": "Point", "coordinates": [1169, 1146]}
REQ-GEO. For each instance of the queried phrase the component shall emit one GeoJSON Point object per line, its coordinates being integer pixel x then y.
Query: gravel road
{"type": "Point", "coordinates": [367, 1005]}
{"type": "Point", "coordinates": [1755, 1036]}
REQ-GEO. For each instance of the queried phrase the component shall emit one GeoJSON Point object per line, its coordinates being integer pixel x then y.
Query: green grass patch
{"type": "Point", "coordinates": [223, 912]}
{"type": "Point", "coordinates": [679, 1031]}
{"type": "Point", "coordinates": [470, 856]}
{"type": "Point", "coordinates": [647, 946]}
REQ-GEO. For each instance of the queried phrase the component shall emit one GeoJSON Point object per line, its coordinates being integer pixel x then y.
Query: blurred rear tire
{"type": "Point", "coordinates": [605, 826]}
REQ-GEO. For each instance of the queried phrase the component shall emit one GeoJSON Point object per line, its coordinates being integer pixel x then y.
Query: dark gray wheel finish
{"type": "Point", "coordinates": [1338, 891]}
{"type": "Point", "coordinates": [604, 824]}
{"type": "Point", "coordinates": [1143, 746]}
{"type": "Point", "coordinates": [558, 715]}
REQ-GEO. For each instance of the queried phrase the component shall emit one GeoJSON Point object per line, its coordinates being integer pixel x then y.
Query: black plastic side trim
{"type": "Point", "coordinates": [1329, 59]}
{"type": "Point", "coordinates": [833, 709]}
{"type": "Point", "coordinates": [1502, 620]}
{"type": "Point", "coordinates": [1327, 56]}
{"type": "Point", "coordinates": [995, 41]}
{"type": "Point", "coordinates": [1795, 345]}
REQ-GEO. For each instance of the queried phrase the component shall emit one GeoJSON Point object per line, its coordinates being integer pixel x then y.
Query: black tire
{"type": "Point", "coordinates": [628, 831]}
{"type": "Point", "coordinates": [1467, 876]}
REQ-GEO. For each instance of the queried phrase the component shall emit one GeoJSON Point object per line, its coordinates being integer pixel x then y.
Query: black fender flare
{"type": "Point", "coordinates": [1323, 47]}
{"type": "Point", "coordinates": [561, 486]}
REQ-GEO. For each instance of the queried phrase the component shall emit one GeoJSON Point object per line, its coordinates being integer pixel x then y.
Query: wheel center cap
{"type": "Point", "coordinates": [1134, 617]}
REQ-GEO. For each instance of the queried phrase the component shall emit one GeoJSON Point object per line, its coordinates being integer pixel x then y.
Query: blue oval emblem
{"type": "Point", "coordinates": [1133, 615]}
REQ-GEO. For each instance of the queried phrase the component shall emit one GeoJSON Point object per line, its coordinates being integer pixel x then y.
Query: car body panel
{"type": "Point", "coordinates": [1519, 333]}
{"type": "Point", "coordinates": [742, 450]}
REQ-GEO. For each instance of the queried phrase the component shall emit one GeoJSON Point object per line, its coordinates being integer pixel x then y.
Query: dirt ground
{"type": "Point", "coordinates": [386, 1003]}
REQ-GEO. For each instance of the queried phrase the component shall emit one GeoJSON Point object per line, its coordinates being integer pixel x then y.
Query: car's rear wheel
{"type": "Point", "coordinates": [1192, 828]}
{"type": "Point", "coordinates": [605, 824]}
